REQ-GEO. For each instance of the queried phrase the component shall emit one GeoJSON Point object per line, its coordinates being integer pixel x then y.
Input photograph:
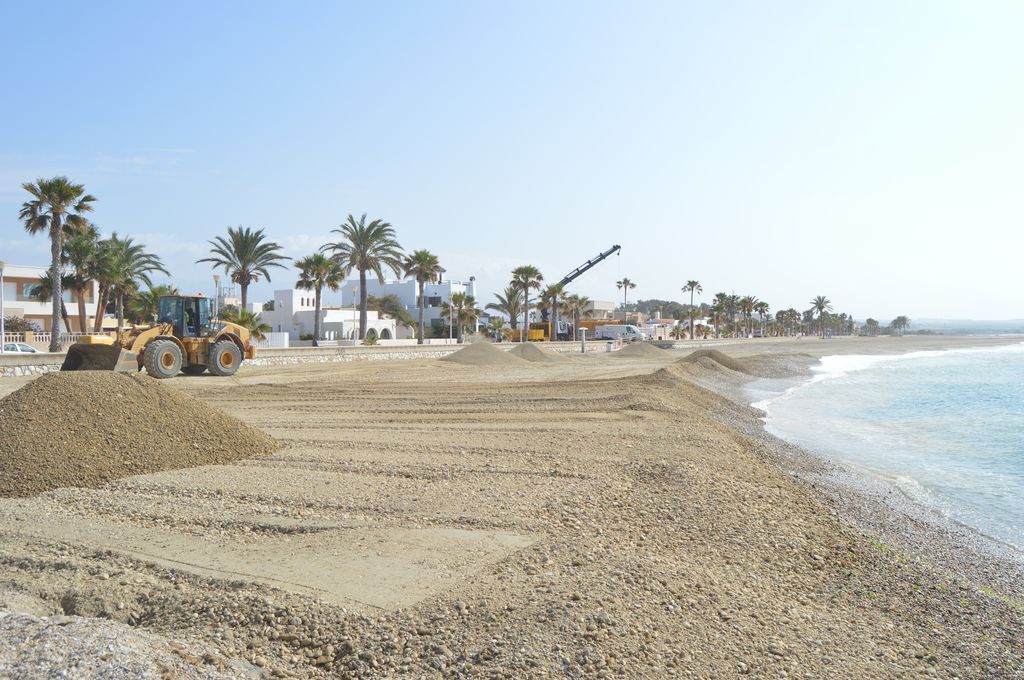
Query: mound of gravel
{"type": "Point", "coordinates": [69, 646]}
{"type": "Point", "coordinates": [640, 350]}
{"type": "Point", "coordinates": [483, 354]}
{"type": "Point", "coordinates": [531, 352]}
{"type": "Point", "coordinates": [712, 358]}
{"type": "Point", "coordinates": [86, 428]}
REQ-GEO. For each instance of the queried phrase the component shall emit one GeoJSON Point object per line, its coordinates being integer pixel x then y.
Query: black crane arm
{"type": "Point", "coordinates": [586, 266]}
{"type": "Point", "coordinates": [580, 271]}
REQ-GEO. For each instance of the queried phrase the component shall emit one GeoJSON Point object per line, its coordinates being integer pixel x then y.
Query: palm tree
{"type": "Point", "coordinates": [366, 247]}
{"type": "Point", "coordinates": [423, 266]}
{"type": "Point", "coordinates": [719, 316]}
{"type": "Point", "coordinates": [57, 206]}
{"type": "Point", "coordinates": [315, 272]}
{"type": "Point", "coordinates": [103, 273]}
{"type": "Point", "coordinates": [526, 277]}
{"type": "Point", "coordinates": [510, 303]}
{"type": "Point", "coordinates": [576, 307]}
{"type": "Point", "coordinates": [144, 305]}
{"type": "Point", "coordinates": [732, 306]}
{"type": "Point", "coordinates": [692, 287]}
{"type": "Point", "coordinates": [80, 255]}
{"type": "Point", "coordinates": [496, 327]}
{"type": "Point", "coordinates": [129, 265]}
{"type": "Point", "coordinates": [245, 256]}
{"type": "Point", "coordinates": [552, 300]}
{"type": "Point", "coordinates": [821, 304]}
{"type": "Point", "coordinates": [678, 331]}
{"type": "Point", "coordinates": [462, 311]}
{"type": "Point", "coordinates": [900, 324]}
{"type": "Point", "coordinates": [248, 320]}
{"type": "Point", "coordinates": [624, 285]}
{"type": "Point", "coordinates": [762, 308]}
{"type": "Point", "coordinates": [746, 306]}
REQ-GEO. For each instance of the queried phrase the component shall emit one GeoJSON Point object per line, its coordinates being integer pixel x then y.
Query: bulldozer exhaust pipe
{"type": "Point", "coordinates": [100, 358]}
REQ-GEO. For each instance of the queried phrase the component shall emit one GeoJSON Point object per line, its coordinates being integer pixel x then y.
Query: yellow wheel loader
{"type": "Point", "coordinates": [184, 338]}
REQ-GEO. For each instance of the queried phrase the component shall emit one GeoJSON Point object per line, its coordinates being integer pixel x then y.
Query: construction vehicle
{"type": "Point", "coordinates": [184, 338]}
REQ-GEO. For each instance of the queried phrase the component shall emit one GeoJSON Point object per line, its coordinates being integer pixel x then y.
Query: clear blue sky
{"type": "Point", "coordinates": [868, 151]}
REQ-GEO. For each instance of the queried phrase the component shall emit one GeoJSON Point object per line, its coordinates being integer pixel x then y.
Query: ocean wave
{"type": "Point", "coordinates": [834, 366]}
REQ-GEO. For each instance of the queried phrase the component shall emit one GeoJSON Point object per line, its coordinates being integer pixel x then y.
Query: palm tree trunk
{"type": "Point", "coordinates": [245, 294]}
{"type": "Point", "coordinates": [316, 318]}
{"type": "Point", "coordinates": [362, 304]}
{"type": "Point", "coordinates": [80, 292]}
{"type": "Point", "coordinates": [64, 316]}
{"type": "Point", "coordinates": [120, 311]}
{"type": "Point", "coordinates": [419, 340]}
{"type": "Point", "coordinates": [691, 314]}
{"type": "Point", "coordinates": [56, 248]}
{"type": "Point", "coordinates": [526, 314]}
{"type": "Point", "coordinates": [101, 308]}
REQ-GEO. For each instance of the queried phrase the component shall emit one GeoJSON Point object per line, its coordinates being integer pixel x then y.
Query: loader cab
{"type": "Point", "coordinates": [189, 315]}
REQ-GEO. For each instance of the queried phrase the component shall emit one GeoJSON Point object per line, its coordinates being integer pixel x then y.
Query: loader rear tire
{"type": "Point", "coordinates": [225, 358]}
{"type": "Point", "coordinates": [162, 359]}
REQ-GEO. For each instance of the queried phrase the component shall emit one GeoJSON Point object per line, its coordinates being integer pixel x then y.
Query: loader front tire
{"type": "Point", "coordinates": [225, 358]}
{"type": "Point", "coordinates": [162, 359]}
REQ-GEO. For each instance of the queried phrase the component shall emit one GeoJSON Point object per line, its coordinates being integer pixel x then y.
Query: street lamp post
{"type": "Point", "coordinates": [216, 295]}
{"type": "Point", "coordinates": [2, 330]}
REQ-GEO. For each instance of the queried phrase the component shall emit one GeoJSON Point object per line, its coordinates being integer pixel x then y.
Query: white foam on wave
{"type": "Point", "coordinates": [835, 366]}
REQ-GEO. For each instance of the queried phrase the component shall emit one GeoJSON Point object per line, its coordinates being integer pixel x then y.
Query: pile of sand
{"type": "Point", "coordinates": [531, 352]}
{"type": "Point", "coordinates": [712, 358]}
{"type": "Point", "coordinates": [638, 350]}
{"type": "Point", "coordinates": [483, 354]}
{"type": "Point", "coordinates": [86, 428]}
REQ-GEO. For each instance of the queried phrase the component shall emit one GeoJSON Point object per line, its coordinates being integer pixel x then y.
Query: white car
{"type": "Point", "coordinates": [19, 348]}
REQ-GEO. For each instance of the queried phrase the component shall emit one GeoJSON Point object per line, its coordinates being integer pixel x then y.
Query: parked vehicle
{"type": "Point", "coordinates": [19, 348]}
{"type": "Point", "coordinates": [624, 332]}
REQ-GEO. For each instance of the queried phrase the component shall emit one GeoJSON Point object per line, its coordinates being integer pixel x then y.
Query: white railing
{"type": "Point", "coordinates": [42, 339]}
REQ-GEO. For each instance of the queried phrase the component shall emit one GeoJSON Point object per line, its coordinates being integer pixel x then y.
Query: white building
{"type": "Point", "coordinates": [18, 301]}
{"type": "Point", "coordinates": [295, 311]}
{"type": "Point", "coordinates": [407, 292]}
{"type": "Point", "coordinates": [600, 309]}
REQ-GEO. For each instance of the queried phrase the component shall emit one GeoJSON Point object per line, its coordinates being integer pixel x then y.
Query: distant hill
{"type": "Point", "coordinates": [970, 326]}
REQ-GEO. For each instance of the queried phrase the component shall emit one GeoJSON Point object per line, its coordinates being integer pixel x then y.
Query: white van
{"type": "Point", "coordinates": [624, 332]}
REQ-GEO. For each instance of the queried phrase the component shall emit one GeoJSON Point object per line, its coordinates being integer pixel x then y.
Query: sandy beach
{"type": "Point", "coordinates": [608, 515]}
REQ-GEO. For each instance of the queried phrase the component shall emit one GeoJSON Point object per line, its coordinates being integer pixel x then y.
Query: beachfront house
{"type": "Point", "coordinates": [407, 292]}
{"type": "Point", "coordinates": [294, 311]}
{"type": "Point", "coordinates": [19, 282]}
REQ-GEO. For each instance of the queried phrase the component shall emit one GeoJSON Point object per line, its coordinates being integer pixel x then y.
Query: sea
{"type": "Point", "coordinates": [944, 427]}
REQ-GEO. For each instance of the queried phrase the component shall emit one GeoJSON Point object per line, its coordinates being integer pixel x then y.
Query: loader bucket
{"type": "Point", "coordinates": [83, 357]}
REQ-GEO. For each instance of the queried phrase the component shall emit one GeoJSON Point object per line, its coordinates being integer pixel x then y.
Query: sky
{"type": "Point", "coordinates": [866, 151]}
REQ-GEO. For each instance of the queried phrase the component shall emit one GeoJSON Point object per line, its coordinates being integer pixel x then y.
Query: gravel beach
{"type": "Point", "coordinates": [616, 515]}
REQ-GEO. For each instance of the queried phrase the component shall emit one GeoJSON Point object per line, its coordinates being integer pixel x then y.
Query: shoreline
{"type": "Point", "coordinates": [871, 502]}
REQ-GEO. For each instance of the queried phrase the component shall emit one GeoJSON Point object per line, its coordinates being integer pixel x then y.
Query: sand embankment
{"type": "Point", "coordinates": [87, 428]}
{"type": "Point", "coordinates": [593, 517]}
